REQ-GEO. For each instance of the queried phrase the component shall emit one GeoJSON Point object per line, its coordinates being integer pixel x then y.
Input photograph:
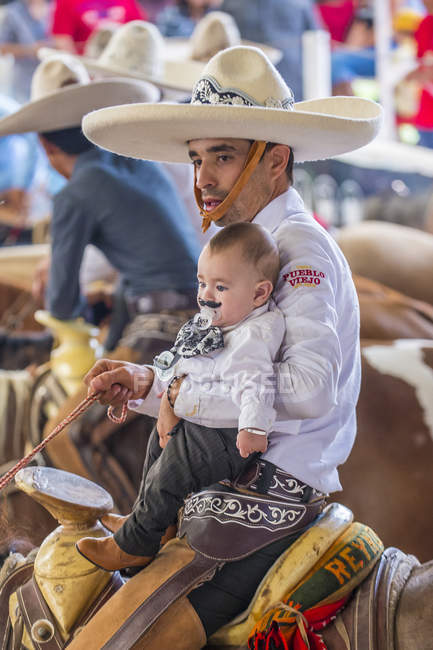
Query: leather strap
{"type": "Point", "coordinates": [109, 590]}
{"type": "Point", "coordinates": [17, 633]}
{"type": "Point", "coordinates": [254, 156]}
{"type": "Point", "coordinates": [33, 609]}
{"type": "Point", "coordinates": [263, 477]}
{"type": "Point", "coordinates": [202, 567]}
{"type": "Point", "coordinates": [10, 585]}
{"type": "Point", "coordinates": [199, 570]}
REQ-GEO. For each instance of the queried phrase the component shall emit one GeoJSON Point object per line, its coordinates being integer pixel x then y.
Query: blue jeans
{"type": "Point", "coordinates": [426, 138]}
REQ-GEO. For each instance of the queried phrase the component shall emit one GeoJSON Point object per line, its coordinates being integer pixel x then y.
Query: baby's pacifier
{"type": "Point", "coordinates": [203, 320]}
{"type": "Point", "coordinates": [163, 364]}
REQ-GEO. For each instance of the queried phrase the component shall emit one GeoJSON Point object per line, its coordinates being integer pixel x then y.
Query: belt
{"type": "Point", "coordinates": [266, 478]}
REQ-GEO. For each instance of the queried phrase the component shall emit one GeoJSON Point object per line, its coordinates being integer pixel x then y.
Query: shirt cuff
{"type": "Point", "coordinates": [257, 415]}
{"type": "Point", "coordinates": [150, 404]}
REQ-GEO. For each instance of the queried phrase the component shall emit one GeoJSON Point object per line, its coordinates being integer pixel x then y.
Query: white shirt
{"type": "Point", "coordinates": [318, 369]}
{"type": "Point", "coordinates": [242, 371]}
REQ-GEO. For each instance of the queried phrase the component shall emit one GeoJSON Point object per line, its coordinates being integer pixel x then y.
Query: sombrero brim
{"type": "Point", "coordinates": [175, 75]}
{"type": "Point", "coordinates": [315, 129]}
{"type": "Point", "coordinates": [65, 108]}
{"type": "Point", "coordinates": [180, 49]}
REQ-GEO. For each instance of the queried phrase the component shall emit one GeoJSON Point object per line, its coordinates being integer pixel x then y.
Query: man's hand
{"type": "Point", "coordinates": [118, 381]}
{"type": "Point", "coordinates": [248, 442]}
{"type": "Point", "coordinates": [166, 420]}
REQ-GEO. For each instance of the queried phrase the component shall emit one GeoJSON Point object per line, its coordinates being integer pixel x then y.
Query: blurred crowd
{"type": "Point", "coordinates": [84, 27]}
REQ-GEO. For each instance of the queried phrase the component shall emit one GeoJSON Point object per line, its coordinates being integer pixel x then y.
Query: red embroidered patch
{"type": "Point", "coordinates": [304, 276]}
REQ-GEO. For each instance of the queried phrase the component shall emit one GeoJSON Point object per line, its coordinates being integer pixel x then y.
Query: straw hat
{"type": "Point", "coordinates": [215, 32]}
{"type": "Point", "coordinates": [240, 95]}
{"type": "Point", "coordinates": [99, 39]}
{"type": "Point", "coordinates": [137, 50]}
{"type": "Point", "coordinates": [62, 93]}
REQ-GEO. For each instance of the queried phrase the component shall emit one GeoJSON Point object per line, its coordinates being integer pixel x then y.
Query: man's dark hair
{"type": "Point", "coordinates": [364, 15]}
{"type": "Point", "coordinates": [258, 247]}
{"type": "Point", "coordinates": [289, 168]}
{"type": "Point", "coordinates": [71, 141]}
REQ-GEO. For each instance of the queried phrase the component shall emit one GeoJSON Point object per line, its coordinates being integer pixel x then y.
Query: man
{"type": "Point", "coordinates": [127, 208]}
{"type": "Point", "coordinates": [73, 21]}
{"type": "Point", "coordinates": [250, 131]}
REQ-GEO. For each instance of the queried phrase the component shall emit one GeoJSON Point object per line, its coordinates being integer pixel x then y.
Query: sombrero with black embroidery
{"type": "Point", "coordinates": [240, 95]}
{"type": "Point", "coordinates": [62, 93]}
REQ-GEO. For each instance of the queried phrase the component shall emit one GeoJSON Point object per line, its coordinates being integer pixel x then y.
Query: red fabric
{"type": "Point", "coordinates": [424, 40]}
{"type": "Point", "coordinates": [424, 36]}
{"type": "Point", "coordinates": [317, 619]}
{"type": "Point", "coordinates": [283, 638]}
{"type": "Point", "coordinates": [78, 18]}
{"type": "Point", "coordinates": [337, 18]}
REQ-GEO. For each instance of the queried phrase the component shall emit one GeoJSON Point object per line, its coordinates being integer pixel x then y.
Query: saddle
{"type": "Point", "coordinates": [333, 548]}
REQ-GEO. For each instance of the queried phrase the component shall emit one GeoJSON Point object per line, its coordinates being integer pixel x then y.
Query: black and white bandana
{"type": "Point", "coordinates": [190, 342]}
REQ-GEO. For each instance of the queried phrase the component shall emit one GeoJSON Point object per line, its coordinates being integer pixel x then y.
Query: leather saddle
{"type": "Point", "coordinates": [189, 560]}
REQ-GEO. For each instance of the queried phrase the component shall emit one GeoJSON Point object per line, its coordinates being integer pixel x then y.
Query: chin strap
{"type": "Point", "coordinates": [254, 155]}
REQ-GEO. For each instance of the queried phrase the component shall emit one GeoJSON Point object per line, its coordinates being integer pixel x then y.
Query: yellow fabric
{"type": "Point", "coordinates": [287, 572]}
{"type": "Point", "coordinates": [254, 155]}
{"type": "Point", "coordinates": [341, 569]}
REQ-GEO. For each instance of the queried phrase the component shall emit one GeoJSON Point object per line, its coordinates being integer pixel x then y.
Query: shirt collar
{"type": "Point", "coordinates": [253, 314]}
{"type": "Point", "coordinates": [86, 157]}
{"type": "Point", "coordinates": [283, 206]}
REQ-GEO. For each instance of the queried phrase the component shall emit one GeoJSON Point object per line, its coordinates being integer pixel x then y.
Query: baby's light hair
{"type": "Point", "coordinates": [257, 244]}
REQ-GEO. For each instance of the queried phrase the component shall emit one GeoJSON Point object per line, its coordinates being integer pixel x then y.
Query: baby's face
{"type": "Point", "coordinates": [230, 282]}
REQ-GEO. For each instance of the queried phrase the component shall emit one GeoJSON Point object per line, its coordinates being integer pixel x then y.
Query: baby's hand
{"type": "Point", "coordinates": [167, 419]}
{"type": "Point", "coordinates": [248, 442]}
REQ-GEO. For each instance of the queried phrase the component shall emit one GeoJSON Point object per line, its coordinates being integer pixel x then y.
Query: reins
{"type": "Point", "coordinates": [73, 415]}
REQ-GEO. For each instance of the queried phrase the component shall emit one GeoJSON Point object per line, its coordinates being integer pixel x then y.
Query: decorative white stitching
{"type": "Point", "coordinates": [208, 91]}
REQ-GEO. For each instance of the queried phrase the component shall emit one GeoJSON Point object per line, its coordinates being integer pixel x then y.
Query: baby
{"type": "Point", "coordinates": [231, 346]}
{"type": "Point", "coordinates": [235, 333]}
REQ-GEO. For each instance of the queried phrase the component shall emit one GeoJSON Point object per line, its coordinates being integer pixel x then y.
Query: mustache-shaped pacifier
{"type": "Point", "coordinates": [209, 311]}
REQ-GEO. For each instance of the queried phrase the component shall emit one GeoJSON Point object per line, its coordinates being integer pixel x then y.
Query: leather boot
{"type": "Point", "coordinates": [104, 553]}
{"type": "Point", "coordinates": [113, 522]}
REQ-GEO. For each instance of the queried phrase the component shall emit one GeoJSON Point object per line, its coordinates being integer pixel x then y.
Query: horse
{"type": "Point", "coordinates": [387, 479]}
{"type": "Point", "coordinates": [397, 256]}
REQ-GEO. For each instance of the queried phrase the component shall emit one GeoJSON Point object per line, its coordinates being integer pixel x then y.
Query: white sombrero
{"type": "Point", "coordinates": [137, 50]}
{"type": "Point", "coordinates": [99, 39]}
{"type": "Point", "coordinates": [62, 93]}
{"type": "Point", "coordinates": [215, 32]}
{"type": "Point", "coordinates": [241, 95]}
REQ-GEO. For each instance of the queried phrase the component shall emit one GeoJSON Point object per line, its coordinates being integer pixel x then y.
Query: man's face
{"type": "Point", "coordinates": [218, 164]}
